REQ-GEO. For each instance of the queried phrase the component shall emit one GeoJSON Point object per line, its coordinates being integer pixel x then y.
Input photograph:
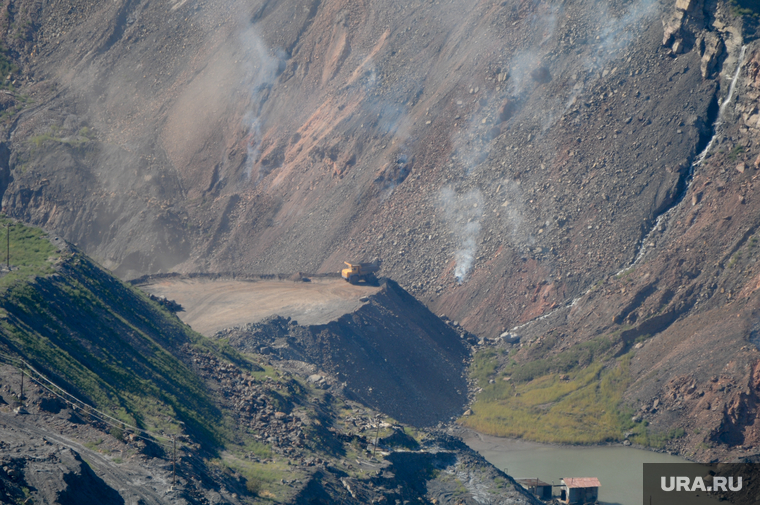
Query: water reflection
{"type": "Point", "coordinates": [619, 469]}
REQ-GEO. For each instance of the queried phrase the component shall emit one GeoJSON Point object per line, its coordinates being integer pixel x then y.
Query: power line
{"type": "Point", "coordinates": [76, 402]}
{"type": "Point", "coordinates": [89, 410]}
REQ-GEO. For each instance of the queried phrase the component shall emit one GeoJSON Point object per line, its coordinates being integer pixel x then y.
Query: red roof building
{"type": "Point", "coordinates": [579, 490]}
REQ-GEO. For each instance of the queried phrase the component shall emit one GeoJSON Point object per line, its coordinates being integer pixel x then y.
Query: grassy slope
{"type": "Point", "coordinates": [574, 396]}
{"type": "Point", "coordinates": [580, 409]}
{"type": "Point", "coordinates": [103, 338]}
{"type": "Point", "coordinates": [108, 344]}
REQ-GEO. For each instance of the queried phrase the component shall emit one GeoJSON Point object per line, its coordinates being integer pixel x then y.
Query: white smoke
{"type": "Point", "coordinates": [262, 66]}
{"type": "Point", "coordinates": [465, 257]}
{"type": "Point", "coordinates": [525, 62]}
{"type": "Point", "coordinates": [463, 212]}
{"type": "Point", "coordinates": [616, 32]}
{"type": "Point", "coordinates": [612, 36]}
{"type": "Point", "coordinates": [608, 35]}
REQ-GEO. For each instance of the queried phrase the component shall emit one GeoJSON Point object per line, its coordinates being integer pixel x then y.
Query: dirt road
{"type": "Point", "coordinates": [211, 305]}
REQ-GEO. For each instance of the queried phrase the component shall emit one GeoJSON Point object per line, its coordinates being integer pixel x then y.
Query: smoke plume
{"type": "Point", "coordinates": [463, 212]}
{"type": "Point", "coordinates": [262, 66]}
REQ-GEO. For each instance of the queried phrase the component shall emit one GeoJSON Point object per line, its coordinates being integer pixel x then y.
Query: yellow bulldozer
{"type": "Point", "coordinates": [357, 272]}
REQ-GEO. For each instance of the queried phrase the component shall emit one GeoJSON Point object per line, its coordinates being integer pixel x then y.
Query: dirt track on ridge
{"type": "Point", "coordinates": [211, 305]}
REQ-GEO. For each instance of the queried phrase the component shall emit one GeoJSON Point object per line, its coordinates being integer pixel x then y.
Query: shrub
{"type": "Point", "coordinates": [253, 486]}
{"type": "Point", "coordinates": [117, 433]}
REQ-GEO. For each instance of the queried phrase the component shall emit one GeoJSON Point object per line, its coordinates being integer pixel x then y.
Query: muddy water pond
{"type": "Point", "coordinates": [619, 469]}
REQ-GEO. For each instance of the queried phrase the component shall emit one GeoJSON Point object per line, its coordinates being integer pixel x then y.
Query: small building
{"type": "Point", "coordinates": [538, 487]}
{"type": "Point", "coordinates": [579, 490]}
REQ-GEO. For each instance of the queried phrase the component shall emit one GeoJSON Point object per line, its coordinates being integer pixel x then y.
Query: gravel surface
{"type": "Point", "coordinates": [210, 306]}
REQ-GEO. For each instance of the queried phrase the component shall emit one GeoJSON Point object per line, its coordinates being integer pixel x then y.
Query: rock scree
{"type": "Point", "coordinates": [392, 354]}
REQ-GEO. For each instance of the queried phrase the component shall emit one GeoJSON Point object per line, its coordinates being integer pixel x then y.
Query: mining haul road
{"type": "Point", "coordinates": [211, 305]}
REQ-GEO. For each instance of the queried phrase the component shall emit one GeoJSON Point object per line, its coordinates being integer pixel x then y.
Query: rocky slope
{"type": "Point", "coordinates": [98, 383]}
{"type": "Point", "coordinates": [444, 153]}
{"type": "Point", "coordinates": [52, 453]}
{"type": "Point", "coordinates": [694, 291]}
{"type": "Point", "coordinates": [392, 354]}
{"type": "Point", "coordinates": [501, 157]}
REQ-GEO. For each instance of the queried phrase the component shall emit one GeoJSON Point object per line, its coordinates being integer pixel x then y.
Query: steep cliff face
{"type": "Point", "coordinates": [687, 309]}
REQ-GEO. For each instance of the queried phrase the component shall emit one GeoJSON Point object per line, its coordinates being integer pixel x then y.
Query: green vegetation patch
{"type": "Point", "coordinates": [483, 366]}
{"type": "Point", "coordinates": [7, 68]}
{"type": "Point", "coordinates": [745, 8]}
{"type": "Point", "coordinates": [55, 135]}
{"type": "Point", "coordinates": [579, 406]}
{"type": "Point", "coordinates": [262, 478]}
{"type": "Point", "coordinates": [657, 440]}
{"type": "Point", "coordinates": [105, 341]}
{"type": "Point", "coordinates": [578, 356]}
{"type": "Point", "coordinates": [735, 152]}
{"type": "Point", "coordinates": [31, 253]}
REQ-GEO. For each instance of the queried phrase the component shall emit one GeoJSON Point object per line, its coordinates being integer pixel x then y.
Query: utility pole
{"type": "Point", "coordinates": [377, 436]}
{"type": "Point", "coordinates": [8, 247]}
{"type": "Point", "coordinates": [174, 461]}
{"type": "Point", "coordinates": [21, 398]}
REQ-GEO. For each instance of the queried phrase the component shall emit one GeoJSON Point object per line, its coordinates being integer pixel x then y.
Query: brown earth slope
{"type": "Point", "coordinates": [501, 157]}
{"type": "Point", "coordinates": [524, 141]}
{"type": "Point", "coordinates": [696, 293]}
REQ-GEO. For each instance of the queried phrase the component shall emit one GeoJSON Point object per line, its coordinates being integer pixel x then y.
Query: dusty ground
{"type": "Point", "coordinates": [212, 305]}
{"type": "Point", "coordinates": [524, 145]}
